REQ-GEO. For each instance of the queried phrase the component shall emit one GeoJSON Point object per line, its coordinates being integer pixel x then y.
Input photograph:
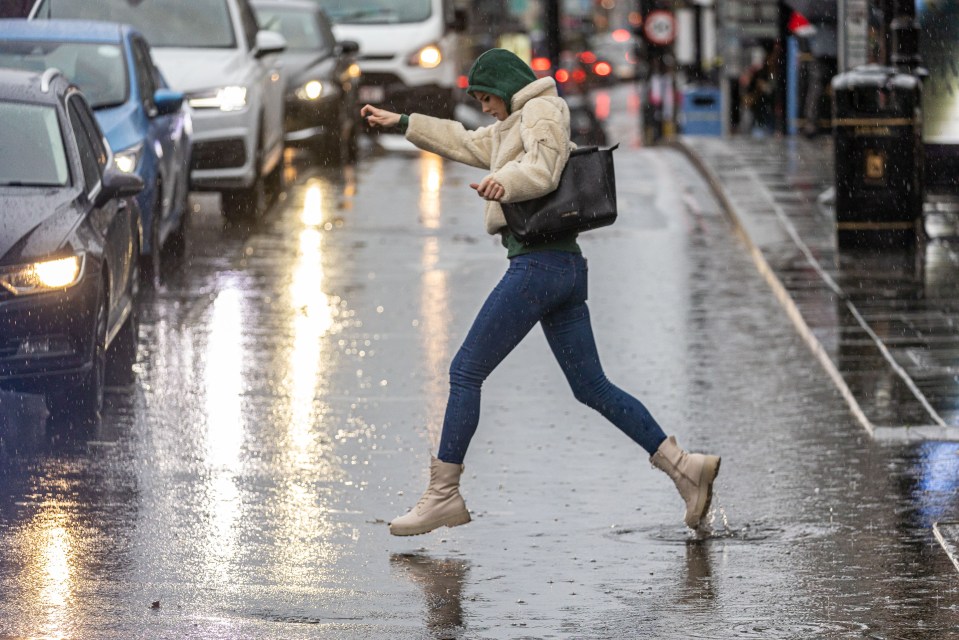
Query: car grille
{"type": "Point", "coordinates": [219, 154]}
{"type": "Point", "coordinates": [381, 79]}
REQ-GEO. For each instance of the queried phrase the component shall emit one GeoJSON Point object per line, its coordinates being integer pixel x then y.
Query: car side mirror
{"type": "Point", "coordinates": [348, 47]}
{"type": "Point", "coordinates": [116, 184]}
{"type": "Point", "coordinates": [167, 101]}
{"type": "Point", "coordinates": [268, 42]}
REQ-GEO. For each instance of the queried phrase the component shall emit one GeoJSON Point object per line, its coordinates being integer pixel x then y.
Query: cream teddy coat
{"type": "Point", "coordinates": [526, 152]}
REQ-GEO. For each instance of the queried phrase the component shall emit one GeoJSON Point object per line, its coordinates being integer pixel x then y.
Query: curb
{"type": "Point", "coordinates": [947, 533]}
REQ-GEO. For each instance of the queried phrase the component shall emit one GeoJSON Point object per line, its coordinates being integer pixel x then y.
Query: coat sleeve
{"type": "Point", "coordinates": [545, 132]}
{"type": "Point", "coordinates": [451, 139]}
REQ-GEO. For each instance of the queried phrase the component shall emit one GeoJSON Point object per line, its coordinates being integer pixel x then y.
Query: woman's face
{"type": "Point", "coordinates": [493, 105]}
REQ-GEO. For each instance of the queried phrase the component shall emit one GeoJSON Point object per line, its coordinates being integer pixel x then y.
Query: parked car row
{"type": "Point", "coordinates": [111, 112]}
{"type": "Point", "coordinates": [69, 243]}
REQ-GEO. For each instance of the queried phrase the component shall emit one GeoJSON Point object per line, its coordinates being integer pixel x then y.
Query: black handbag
{"type": "Point", "coordinates": [585, 199]}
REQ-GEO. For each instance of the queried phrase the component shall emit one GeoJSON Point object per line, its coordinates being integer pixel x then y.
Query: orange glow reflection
{"type": "Point", "coordinates": [49, 548]}
{"type": "Point", "coordinates": [303, 525]}
{"type": "Point", "coordinates": [435, 334]}
{"type": "Point", "coordinates": [431, 180]}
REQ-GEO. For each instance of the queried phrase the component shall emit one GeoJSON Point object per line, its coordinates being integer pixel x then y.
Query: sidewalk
{"type": "Point", "coordinates": [884, 324]}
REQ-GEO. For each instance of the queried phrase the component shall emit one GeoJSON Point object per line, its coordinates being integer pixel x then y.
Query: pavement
{"type": "Point", "coordinates": [884, 323]}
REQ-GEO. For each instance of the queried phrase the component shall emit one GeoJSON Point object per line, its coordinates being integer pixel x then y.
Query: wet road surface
{"type": "Point", "coordinates": [292, 379]}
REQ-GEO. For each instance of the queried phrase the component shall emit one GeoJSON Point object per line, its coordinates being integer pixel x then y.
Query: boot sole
{"type": "Point", "coordinates": [454, 520]}
{"type": "Point", "coordinates": [710, 470]}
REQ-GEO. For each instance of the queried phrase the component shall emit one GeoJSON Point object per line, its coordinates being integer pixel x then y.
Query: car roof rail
{"type": "Point", "coordinates": [48, 77]}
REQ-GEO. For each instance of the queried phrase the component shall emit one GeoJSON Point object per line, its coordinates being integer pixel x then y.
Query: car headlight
{"type": "Point", "coordinates": [312, 90]}
{"type": "Point", "coordinates": [222, 98]}
{"type": "Point", "coordinates": [128, 159]}
{"type": "Point", "coordinates": [40, 277]}
{"type": "Point", "coordinates": [429, 57]}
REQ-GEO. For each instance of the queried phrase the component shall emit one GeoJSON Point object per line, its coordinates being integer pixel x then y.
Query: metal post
{"type": "Point", "coordinates": [782, 87]}
{"type": "Point", "coordinates": [554, 40]}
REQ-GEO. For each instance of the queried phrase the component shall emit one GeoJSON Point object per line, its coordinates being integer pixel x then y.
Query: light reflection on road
{"type": "Point", "coordinates": [431, 180]}
{"type": "Point", "coordinates": [225, 428]}
{"type": "Point", "coordinates": [54, 556]}
{"type": "Point", "coordinates": [434, 298]}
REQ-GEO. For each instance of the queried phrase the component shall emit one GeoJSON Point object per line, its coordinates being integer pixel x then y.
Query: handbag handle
{"type": "Point", "coordinates": [590, 149]}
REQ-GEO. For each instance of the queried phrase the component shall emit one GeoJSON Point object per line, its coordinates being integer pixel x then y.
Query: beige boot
{"type": "Point", "coordinates": [441, 505]}
{"type": "Point", "coordinates": [693, 474]}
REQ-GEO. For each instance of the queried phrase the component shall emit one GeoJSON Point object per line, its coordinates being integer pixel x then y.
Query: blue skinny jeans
{"type": "Point", "coordinates": [548, 287]}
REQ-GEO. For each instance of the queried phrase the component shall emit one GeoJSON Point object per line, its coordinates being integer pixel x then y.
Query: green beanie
{"type": "Point", "coordinates": [500, 73]}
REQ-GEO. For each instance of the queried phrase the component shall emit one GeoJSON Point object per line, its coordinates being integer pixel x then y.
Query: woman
{"type": "Point", "coordinates": [525, 151]}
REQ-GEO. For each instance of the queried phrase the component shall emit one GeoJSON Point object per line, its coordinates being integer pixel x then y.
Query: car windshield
{"type": "Point", "coordinates": [165, 23]}
{"type": "Point", "coordinates": [31, 147]}
{"type": "Point", "coordinates": [98, 69]}
{"type": "Point", "coordinates": [298, 28]}
{"type": "Point", "coordinates": [376, 11]}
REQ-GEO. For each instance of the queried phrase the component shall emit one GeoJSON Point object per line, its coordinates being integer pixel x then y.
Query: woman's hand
{"type": "Point", "coordinates": [380, 117]}
{"type": "Point", "coordinates": [489, 189]}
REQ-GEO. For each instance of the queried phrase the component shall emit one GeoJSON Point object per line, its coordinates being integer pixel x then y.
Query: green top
{"type": "Point", "coordinates": [516, 248]}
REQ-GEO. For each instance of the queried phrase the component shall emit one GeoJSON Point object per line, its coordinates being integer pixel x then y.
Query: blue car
{"type": "Point", "coordinates": [145, 122]}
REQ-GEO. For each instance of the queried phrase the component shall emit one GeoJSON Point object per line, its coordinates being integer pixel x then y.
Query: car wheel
{"type": "Point", "coordinates": [247, 204]}
{"type": "Point", "coordinates": [83, 402]}
{"type": "Point", "coordinates": [176, 243]}
{"type": "Point", "coordinates": [326, 151]}
{"type": "Point", "coordinates": [123, 350]}
{"type": "Point", "coordinates": [351, 149]}
{"type": "Point", "coordinates": [275, 183]}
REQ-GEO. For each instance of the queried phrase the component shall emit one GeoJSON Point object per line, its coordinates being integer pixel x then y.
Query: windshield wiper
{"type": "Point", "coordinates": [22, 183]}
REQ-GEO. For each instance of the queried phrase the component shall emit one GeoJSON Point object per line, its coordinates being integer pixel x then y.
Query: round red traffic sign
{"type": "Point", "coordinates": [660, 27]}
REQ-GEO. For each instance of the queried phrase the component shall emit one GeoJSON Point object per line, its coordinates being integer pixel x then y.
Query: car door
{"type": "Point", "coordinates": [112, 220]}
{"type": "Point", "coordinates": [271, 89]}
{"type": "Point", "coordinates": [160, 129]}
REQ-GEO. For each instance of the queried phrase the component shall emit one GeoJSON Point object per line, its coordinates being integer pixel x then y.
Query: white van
{"type": "Point", "coordinates": [409, 51]}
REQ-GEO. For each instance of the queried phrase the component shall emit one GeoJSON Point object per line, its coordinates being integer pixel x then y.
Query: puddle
{"type": "Point", "coordinates": [719, 528]}
{"type": "Point", "coordinates": [776, 629]}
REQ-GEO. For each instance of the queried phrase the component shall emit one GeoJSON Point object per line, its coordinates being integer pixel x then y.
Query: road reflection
{"type": "Point", "coordinates": [442, 581]}
{"type": "Point", "coordinates": [302, 518]}
{"type": "Point", "coordinates": [434, 298]}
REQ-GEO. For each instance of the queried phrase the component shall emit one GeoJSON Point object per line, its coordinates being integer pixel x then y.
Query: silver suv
{"type": "Point", "coordinates": [214, 52]}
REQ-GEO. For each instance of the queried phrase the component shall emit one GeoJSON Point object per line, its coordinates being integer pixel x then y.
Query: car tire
{"type": "Point", "coordinates": [151, 262]}
{"type": "Point", "coordinates": [275, 183]}
{"type": "Point", "coordinates": [326, 151]}
{"type": "Point", "coordinates": [175, 245]}
{"type": "Point", "coordinates": [82, 403]}
{"type": "Point", "coordinates": [122, 354]}
{"type": "Point", "coordinates": [247, 204]}
{"type": "Point", "coordinates": [351, 150]}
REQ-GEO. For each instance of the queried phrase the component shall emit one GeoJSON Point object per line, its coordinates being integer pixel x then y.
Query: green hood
{"type": "Point", "coordinates": [501, 73]}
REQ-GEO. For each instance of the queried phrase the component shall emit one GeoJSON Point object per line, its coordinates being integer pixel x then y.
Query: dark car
{"type": "Point", "coordinates": [322, 78]}
{"type": "Point", "coordinates": [146, 123]}
{"type": "Point", "coordinates": [70, 237]}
